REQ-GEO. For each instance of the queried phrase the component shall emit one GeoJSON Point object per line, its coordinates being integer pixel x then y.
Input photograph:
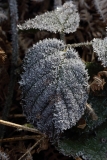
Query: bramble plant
{"type": "Point", "coordinates": [55, 86]}
{"type": "Point", "coordinates": [56, 89]}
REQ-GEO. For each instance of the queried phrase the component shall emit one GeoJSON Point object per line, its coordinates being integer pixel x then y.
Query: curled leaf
{"type": "Point", "coordinates": [97, 84]}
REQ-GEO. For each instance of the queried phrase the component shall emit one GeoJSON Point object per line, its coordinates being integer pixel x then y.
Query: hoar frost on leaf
{"type": "Point", "coordinates": [100, 47]}
{"type": "Point", "coordinates": [54, 85]}
{"type": "Point", "coordinates": [65, 19]}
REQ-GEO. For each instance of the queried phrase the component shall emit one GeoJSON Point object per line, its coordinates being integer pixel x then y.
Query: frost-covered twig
{"type": "Point", "coordinates": [79, 44]}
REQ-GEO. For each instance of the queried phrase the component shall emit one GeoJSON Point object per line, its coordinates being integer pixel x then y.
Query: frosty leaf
{"type": "Point", "coordinates": [54, 85]}
{"type": "Point", "coordinates": [100, 47]}
{"type": "Point", "coordinates": [65, 19]}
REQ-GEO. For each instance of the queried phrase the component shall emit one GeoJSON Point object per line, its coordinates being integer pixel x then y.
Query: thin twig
{"type": "Point", "coordinates": [18, 126]}
{"type": "Point", "coordinates": [36, 137]}
{"type": "Point", "coordinates": [16, 116]}
{"type": "Point", "coordinates": [62, 37]}
{"type": "Point", "coordinates": [29, 150]}
{"type": "Point", "coordinates": [79, 44]}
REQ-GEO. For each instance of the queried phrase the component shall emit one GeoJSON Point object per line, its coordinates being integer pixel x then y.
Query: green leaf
{"type": "Point", "coordinates": [89, 147]}
{"type": "Point", "coordinates": [99, 104]}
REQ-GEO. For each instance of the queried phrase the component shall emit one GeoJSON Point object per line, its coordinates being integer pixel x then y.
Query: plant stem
{"type": "Point", "coordinates": [79, 44]}
{"type": "Point", "coordinates": [62, 37]}
{"type": "Point", "coordinates": [14, 60]}
{"type": "Point", "coordinates": [57, 5]}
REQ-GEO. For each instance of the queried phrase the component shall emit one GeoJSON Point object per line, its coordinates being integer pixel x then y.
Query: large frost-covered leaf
{"type": "Point", "coordinates": [100, 47]}
{"type": "Point", "coordinates": [54, 85]}
{"type": "Point", "coordinates": [64, 19]}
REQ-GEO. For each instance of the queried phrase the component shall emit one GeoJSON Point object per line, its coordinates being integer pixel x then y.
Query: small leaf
{"type": "Point", "coordinates": [65, 19]}
{"type": "Point", "coordinates": [100, 47]}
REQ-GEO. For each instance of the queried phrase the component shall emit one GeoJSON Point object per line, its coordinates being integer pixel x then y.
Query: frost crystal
{"type": "Point", "coordinates": [100, 47]}
{"type": "Point", "coordinates": [65, 19]}
{"type": "Point", "coordinates": [54, 85]}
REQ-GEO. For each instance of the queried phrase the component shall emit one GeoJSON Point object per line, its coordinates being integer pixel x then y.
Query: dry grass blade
{"type": "Point", "coordinates": [19, 126]}
{"type": "Point", "coordinates": [20, 138]}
